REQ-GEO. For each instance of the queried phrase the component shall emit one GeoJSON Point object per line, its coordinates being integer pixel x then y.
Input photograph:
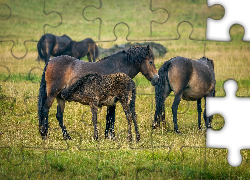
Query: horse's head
{"type": "Point", "coordinates": [147, 67]}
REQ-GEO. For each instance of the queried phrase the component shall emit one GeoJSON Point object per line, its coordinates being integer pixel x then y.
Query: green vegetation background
{"type": "Point", "coordinates": [158, 156]}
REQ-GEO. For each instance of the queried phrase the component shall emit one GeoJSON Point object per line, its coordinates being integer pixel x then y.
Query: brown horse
{"type": "Point", "coordinates": [50, 44]}
{"type": "Point", "coordinates": [190, 80]}
{"type": "Point", "coordinates": [105, 90]}
{"type": "Point", "coordinates": [63, 71]}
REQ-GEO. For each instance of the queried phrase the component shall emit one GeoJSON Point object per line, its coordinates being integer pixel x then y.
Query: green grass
{"type": "Point", "coordinates": [153, 158]}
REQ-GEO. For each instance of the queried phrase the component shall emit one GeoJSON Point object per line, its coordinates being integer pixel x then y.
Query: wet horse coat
{"type": "Point", "coordinates": [190, 80]}
{"type": "Point", "coordinates": [63, 71]}
{"type": "Point", "coordinates": [97, 91]}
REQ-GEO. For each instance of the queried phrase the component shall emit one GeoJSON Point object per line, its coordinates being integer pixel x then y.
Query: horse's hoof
{"type": "Point", "coordinates": [67, 137]}
{"type": "Point", "coordinates": [44, 137]}
{"type": "Point", "coordinates": [129, 138]}
{"type": "Point", "coordinates": [138, 138]}
{"type": "Point", "coordinates": [209, 125]}
{"type": "Point", "coordinates": [177, 131]}
{"type": "Point", "coordinates": [95, 138]}
{"type": "Point", "coordinates": [112, 136]}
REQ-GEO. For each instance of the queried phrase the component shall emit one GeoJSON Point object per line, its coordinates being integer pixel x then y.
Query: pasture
{"type": "Point", "coordinates": [23, 154]}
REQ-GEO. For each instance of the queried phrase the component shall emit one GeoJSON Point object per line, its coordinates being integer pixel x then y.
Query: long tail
{"type": "Point", "coordinates": [42, 96]}
{"type": "Point", "coordinates": [39, 49]}
{"type": "Point", "coordinates": [160, 90]}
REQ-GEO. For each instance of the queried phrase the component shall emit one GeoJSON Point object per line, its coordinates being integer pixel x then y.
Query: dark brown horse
{"type": "Point", "coordinates": [105, 90]}
{"type": "Point", "coordinates": [51, 45]}
{"type": "Point", "coordinates": [190, 80]}
{"type": "Point", "coordinates": [63, 71]}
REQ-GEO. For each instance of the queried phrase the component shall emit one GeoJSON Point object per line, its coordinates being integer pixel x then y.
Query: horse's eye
{"type": "Point", "coordinates": [150, 62]}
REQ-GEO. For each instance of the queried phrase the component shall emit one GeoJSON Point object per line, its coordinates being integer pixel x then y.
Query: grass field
{"type": "Point", "coordinates": [23, 154]}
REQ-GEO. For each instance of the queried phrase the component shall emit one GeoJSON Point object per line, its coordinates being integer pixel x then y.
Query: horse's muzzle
{"type": "Point", "coordinates": [155, 80]}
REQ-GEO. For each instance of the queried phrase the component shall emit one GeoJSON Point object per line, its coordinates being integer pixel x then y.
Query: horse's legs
{"type": "Point", "coordinates": [110, 121]}
{"type": "Point", "coordinates": [89, 57]}
{"type": "Point", "coordinates": [59, 116]}
{"type": "Point", "coordinates": [199, 112]}
{"type": "Point", "coordinates": [134, 118]}
{"type": "Point", "coordinates": [45, 112]}
{"type": "Point", "coordinates": [175, 105]}
{"type": "Point", "coordinates": [92, 52]}
{"type": "Point", "coordinates": [129, 119]}
{"type": "Point", "coordinates": [128, 113]}
{"type": "Point", "coordinates": [94, 110]}
{"type": "Point", "coordinates": [208, 120]}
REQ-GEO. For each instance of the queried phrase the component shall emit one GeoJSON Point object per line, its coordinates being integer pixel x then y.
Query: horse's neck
{"type": "Point", "coordinates": [129, 69]}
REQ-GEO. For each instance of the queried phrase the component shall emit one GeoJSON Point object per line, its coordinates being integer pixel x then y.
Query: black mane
{"type": "Point", "coordinates": [134, 54]}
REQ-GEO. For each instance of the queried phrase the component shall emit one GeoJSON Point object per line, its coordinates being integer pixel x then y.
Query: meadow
{"type": "Point", "coordinates": [161, 153]}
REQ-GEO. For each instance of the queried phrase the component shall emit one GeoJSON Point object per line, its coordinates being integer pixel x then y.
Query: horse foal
{"type": "Point", "coordinates": [105, 90]}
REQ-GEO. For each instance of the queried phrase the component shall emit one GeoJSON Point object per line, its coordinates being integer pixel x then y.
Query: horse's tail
{"type": "Point", "coordinates": [67, 93]}
{"type": "Point", "coordinates": [39, 48]}
{"type": "Point", "coordinates": [160, 90]}
{"type": "Point", "coordinates": [42, 96]}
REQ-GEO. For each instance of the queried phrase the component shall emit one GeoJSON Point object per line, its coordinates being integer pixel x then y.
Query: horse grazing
{"type": "Point", "coordinates": [50, 44]}
{"type": "Point", "coordinates": [63, 71]}
{"type": "Point", "coordinates": [105, 90]}
{"type": "Point", "coordinates": [190, 80]}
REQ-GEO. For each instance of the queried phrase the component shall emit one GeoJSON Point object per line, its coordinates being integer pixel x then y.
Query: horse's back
{"type": "Point", "coordinates": [179, 73]}
{"type": "Point", "coordinates": [193, 78]}
{"type": "Point", "coordinates": [88, 40]}
{"type": "Point", "coordinates": [60, 73]}
{"type": "Point", "coordinates": [202, 80]}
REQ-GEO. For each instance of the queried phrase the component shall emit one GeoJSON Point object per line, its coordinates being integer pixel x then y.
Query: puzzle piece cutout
{"type": "Point", "coordinates": [131, 18]}
{"type": "Point", "coordinates": [194, 11]}
{"type": "Point", "coordinates": [235, 55]}
{"type": "Point", "coordinates": [77, 30]}
{"type": "Point", "coordinates": [19, 19]}
{"type": "Point", "coordinates": [232, 109]}
{"type": "Point", "coordinates": [236, 13]}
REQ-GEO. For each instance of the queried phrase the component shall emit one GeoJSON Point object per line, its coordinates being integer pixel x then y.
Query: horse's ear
{"type": "Point", "coordinates": [148, 47]}
{"type": "Point", "coordinates": [211, 61]}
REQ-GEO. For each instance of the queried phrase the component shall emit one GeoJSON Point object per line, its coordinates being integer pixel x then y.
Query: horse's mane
{"type": "Point", "coordinates": [134, 54]}
{"type": "Point", "coordinates": [209, 60]}
{"type": "Point", "coordinates": [67, 92]}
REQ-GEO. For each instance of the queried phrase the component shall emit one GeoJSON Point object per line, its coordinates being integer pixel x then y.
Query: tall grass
{"type": "Point", "coordinates": [161, 154]}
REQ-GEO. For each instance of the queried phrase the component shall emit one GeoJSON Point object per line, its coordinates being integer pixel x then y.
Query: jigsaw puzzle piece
{"type": "Point", "coordinates": [217, 167]}
{"type": "Point", "coordinates": [128, 14]}
{"type": "Point", "coordinates": [195, 12]}
{"type": "Point", "coordinates": [190, 137]}
{"type": "Point", "coordinates": [183, 45]}
{"type": "Point", "coordinates": [158, 164]}
{"type": "Point", "coordinates": [26, 24]}
{"type": "Point", "coordinates": [236, 12]}
{"type": "Point", "coordinates": [69, 164]}
{"type": "Point", "coordinates": [231, 60]}
{"type": "Point", "coordinates": [225, 138]}
{"type": "Point", "coordinates": [17, 162]}
{"type": "Point", "coordinates": [5, 12]}
{"type": "Point", "coordinates": [76, 30]}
